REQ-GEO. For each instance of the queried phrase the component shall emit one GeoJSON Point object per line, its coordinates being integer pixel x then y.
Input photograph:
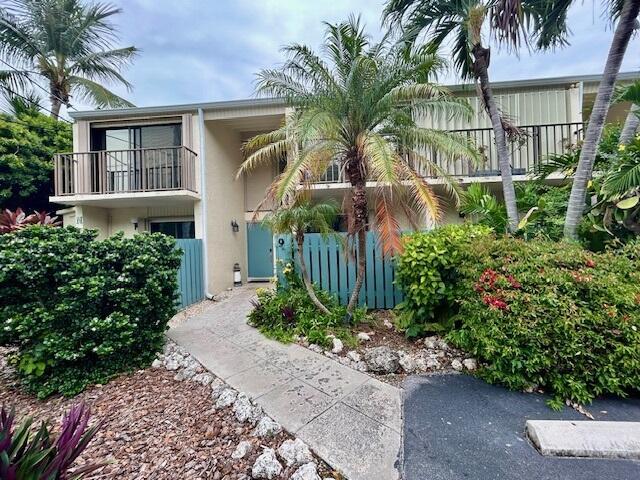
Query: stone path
{"type": "Point", "coordinates": [349, 419]}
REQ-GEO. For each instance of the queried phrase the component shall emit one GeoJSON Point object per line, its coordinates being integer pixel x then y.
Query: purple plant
{"type": "Point", "coordinates": [25, 455]}
{"type": "Point", "coordinates": [12, 221]}
{"type": "Point", "coordinates": [289, 315]}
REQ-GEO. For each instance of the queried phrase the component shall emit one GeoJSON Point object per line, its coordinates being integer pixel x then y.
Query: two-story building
{"type": "Point", "coordinates": [172, 169]}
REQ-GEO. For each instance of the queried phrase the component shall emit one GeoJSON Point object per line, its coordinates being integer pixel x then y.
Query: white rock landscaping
{"type": "Point", "coordinates": [308, 471]}
{"type": "Point", "coordinates": [294, 453]}
{"type": "Point", "coordinates": [266, 465]}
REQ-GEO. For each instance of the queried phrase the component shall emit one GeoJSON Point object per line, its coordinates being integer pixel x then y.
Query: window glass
{"type": "Point", "coordinates": [186, 229]}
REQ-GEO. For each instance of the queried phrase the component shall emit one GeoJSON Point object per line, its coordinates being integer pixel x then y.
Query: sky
{"type": "Point", "coordinates": [210, 50]}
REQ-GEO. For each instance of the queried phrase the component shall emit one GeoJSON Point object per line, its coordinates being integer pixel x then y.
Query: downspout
{"type": "Point", "coordinates": [203, 202]}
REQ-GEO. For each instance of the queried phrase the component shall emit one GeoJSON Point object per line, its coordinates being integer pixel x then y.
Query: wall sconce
{"type": "Point", "coordinates": [234, 226]}
{"type": "Point", "coordinates": [135, 222]}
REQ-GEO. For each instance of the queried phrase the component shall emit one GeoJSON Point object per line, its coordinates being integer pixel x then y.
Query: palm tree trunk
{"type": "Point", "coordinates": [305, 277]}
{"type": "Point", "coordinates": [630, 125]}
{"type": "Point", "coordinates": [623, 32]}
{"type": "Point", "coordinates": [481, 72]}
{"type": "Point", "coordinates": [55, 107]}
{"type": "Point", "coordinates": [360, 213]}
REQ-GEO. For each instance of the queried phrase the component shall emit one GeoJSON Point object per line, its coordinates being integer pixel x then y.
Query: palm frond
{"type": "Point", "coordinates": [623, 178]}
{"type": "Point", "coordinates": [388, 228]}
{"type": "Point", "coordinates": [424, 200]}
{"type": "Point", "coordinates": [97, 94]}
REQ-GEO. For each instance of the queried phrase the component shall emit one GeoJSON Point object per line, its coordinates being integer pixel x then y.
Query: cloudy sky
{"type": "Point", "coordinates": [208, 50]}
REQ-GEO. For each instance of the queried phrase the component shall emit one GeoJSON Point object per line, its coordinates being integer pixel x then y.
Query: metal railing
{"type": "Point", "coordinates": [532, 148]}
{"type": "Point", "coordinates": [125, 171]}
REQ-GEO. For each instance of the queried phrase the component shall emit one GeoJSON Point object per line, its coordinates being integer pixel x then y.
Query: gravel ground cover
{"type": "Point", "coordinates": [161, 424]}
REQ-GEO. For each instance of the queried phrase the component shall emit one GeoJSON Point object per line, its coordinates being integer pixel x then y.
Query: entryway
{"type": "Point", "coordinates": [260, 252]}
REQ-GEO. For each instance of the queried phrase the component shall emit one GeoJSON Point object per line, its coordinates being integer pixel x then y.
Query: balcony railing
{"type": "Point", "coordinates": [125, 171]}
{"type": "Point", "coordinates": [532, 149]}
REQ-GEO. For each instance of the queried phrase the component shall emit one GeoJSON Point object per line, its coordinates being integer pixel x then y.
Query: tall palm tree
{"type": "Point", "coordinates": [463, 21]}
{"type": "Point", "coordinates": [297, 219]}
{"type": "Point", "coordinates": [626, 25]}
{"type": "Point", "coordinates": [355, 108]}
{"type": "Point", "coordinates": [67, 45]}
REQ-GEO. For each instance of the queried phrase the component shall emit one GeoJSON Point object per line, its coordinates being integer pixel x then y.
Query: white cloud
{"type": "Point", "coordinates": [197, 50]}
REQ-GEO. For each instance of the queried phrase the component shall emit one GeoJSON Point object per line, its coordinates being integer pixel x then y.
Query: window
{"type": "Point", "coordinates": [176, 229]}
{"type": "Point", "coordinates": [138, 158]}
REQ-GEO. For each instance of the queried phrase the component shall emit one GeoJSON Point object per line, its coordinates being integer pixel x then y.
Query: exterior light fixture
{"type": "Point", "coordinates": [134, 222]}
{"type": "Point", "coordinates": [234, 226]}
{"type": "Point", "coordinates": [237, 276]}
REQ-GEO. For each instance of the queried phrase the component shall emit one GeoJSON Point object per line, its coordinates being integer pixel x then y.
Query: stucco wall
{"type": "Point", "coordinates": [225, 203]}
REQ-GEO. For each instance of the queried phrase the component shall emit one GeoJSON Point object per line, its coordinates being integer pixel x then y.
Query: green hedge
{"type": "Point", "coordinates": [537, 314]}
{"type": "Point", "coordinates": [82, 310]}
{"type": "Point", "coordinates": [427, 275]}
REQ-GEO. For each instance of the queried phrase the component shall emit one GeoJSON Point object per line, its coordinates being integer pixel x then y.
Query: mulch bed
{"type": "Point", "coordinates": [153, 427]}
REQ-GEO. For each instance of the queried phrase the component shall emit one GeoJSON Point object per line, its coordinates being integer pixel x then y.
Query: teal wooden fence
{"type": "Point", "coordinates": [190, 275]}
{"type": "Point", "coordinates": [330, 269]}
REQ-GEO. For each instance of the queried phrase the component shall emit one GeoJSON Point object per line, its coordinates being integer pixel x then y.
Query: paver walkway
{"type": "Point", "coordinates": [351, 420]}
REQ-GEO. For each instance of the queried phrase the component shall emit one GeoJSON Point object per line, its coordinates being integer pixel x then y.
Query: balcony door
{"type": "Point", "coordinates": [137, 158]}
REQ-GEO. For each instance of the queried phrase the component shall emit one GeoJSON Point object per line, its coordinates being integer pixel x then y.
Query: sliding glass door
{"type": "Point", "coordinates": [137, 158]}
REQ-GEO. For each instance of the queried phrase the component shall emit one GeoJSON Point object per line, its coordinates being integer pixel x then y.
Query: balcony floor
{"type": "Point", "coordinates": [130, 199]}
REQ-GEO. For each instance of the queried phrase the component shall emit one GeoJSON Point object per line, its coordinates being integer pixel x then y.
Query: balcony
{"type": "Point", "coordinates": [125, 177]}
{"type": "Point", "coordinates": [532, 149]}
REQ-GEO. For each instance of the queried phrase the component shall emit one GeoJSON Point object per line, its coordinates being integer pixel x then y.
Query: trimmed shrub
{"type": "Point", "coordinates": [427, 273]}
{"type": "Point", "coordinates": [551, 315]}
{"type": "Point", "coordinates": [80, 310]}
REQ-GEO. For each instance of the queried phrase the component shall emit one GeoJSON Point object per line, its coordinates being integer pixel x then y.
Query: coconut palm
{"type": "Point", "coordinates": [66, 45]}
{"type": "Point", "coordinates": [355, 109]}
{"type": "Point", "coordinates": [298, 219]}
{"type": "Point", "coordinates": [627, 20]}
{"type": "Point", "coordinates": [630, 93]}
{"type": "Point", "coordinates": [463, 22]}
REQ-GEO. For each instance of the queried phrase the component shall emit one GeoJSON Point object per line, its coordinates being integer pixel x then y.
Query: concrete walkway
{"type": "Point", "coordinates": [349, 419]}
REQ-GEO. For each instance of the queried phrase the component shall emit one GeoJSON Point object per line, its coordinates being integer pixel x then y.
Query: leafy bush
{"type": "Point", "coordinates": [28, 456]}
{"type": "Point", "coordinates": [551, 315]}
{"type": "Point", "coordinates": [28, 141]}
{"type": "Point", "coordinates": [427, 273]}
{"type": "Point", "coordinates": [288, 311]}
{"type": "Point", "coordinates": [81, 310]}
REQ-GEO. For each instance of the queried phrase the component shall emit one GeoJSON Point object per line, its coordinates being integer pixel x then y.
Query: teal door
{"type": "Point", "coordinates": [260, 245]}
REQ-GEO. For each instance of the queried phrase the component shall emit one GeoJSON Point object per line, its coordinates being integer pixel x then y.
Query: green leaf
{"type": "Point", "coordinates": [628, 203]}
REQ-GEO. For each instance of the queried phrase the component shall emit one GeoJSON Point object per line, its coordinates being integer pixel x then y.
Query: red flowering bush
{"type": "Point", "coordinates": [551, 315]}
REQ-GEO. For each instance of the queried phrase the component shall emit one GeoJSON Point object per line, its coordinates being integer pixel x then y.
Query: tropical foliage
{"type": "Point", "coordinates": [355, 108]}
{"type": "Point", "coordinates": [79, 310]}
{"type": "Point", "coordinates": [28, 141]}
{"type": "Point", "coordinates": [67, 45]}
{"type": "Point", "coordinates": [12, 221]}
{"type": "Point", "coordinates": [298, 219]}
{"type": "Point", "coordinates": [551, 315]}
{"type": "Point", "coordinates": [427, 274]}
{"type": "Point", "coordinates": [28, 454]}
{"type": "Point", "coordinates": [626, 13]}
{"type": "Point", "coordinates": [462, 23]}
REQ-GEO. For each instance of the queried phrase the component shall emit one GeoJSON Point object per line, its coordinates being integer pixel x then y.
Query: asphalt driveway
{"type": "Point", "coordinates": [458, 427]}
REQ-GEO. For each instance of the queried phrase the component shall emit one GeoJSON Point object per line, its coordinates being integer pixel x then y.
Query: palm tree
{"type": "Point", "coordinates": [464, 20]}
{"type": "Point", "coordinates": [355, 109]}
{"type": "Point", "coordinates": [631, 94]}
{"type": "Point", "coordinates": [298, 219]}
{"type": "Point", "coordinates": [65, 44]}
{"type": "Point", "coordinates": [626, 25]}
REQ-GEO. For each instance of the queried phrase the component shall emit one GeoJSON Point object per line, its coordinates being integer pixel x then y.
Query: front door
{"type": "Point", "coordinates": [260, 245]}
